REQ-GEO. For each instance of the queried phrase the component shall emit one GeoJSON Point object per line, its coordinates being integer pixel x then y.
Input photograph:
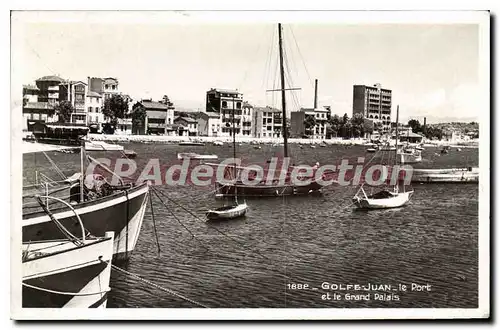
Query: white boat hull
{"type": "Point", "coordinates": [195, 156]}
{"type": "Point", "coordinates": [232, 213]}
{"type": "Point", "coordinates": [59, 274]}
{"type": "Point", "coordinates": [102, 146]}
{"type": "Point", "coordinates": [383, 203]}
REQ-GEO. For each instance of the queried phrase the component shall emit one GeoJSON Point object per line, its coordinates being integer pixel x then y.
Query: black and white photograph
{"type": "Point", "coordinates": [255, 165]}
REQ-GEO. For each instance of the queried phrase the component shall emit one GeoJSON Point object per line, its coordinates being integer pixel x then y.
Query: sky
{"type": "Point", "coordinates": [432, 69]}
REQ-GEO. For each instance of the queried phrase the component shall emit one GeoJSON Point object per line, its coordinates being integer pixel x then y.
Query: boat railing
{"type": "Point", "coordinates": [58, 224]}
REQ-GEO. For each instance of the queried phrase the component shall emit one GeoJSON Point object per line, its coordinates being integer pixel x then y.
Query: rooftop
{"type": "Point", "coordinates": [93, 94]}
{"type": "Point", "coordinates": [153, 105]}
{"type": "Point", "coordinates": [51, 78]}
{"type": "Point", "coordinates": [268, 109]}
{"type": "Point", "coordinates": [187, 119]}
{"type": "Point", "coordinates": [211, 114]}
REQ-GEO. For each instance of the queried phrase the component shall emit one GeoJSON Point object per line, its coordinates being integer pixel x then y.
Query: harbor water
{"type": "Point", "coordinates": [283, 244]}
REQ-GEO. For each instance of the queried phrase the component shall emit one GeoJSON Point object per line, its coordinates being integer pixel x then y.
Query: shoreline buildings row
{"type": "Point", "coordinates": [88, 97]}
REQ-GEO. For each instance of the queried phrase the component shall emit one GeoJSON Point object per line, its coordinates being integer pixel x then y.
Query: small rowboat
{"type": "Point", "coordinates": [371, 150]}
{"type": "Point", "coordinates": [130, 154]}
{"type": "Point", "coordinates": [192, 155]}
{"type": "Point", "coordinates": [227, 212]}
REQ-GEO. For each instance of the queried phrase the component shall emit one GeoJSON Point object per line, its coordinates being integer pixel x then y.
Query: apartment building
{"type": "Point", "coordinates": [267, 122]}
{"type": "Point", "coordinates": [300, 126]}
{"type": "Point", "coordinates": [374, 103]}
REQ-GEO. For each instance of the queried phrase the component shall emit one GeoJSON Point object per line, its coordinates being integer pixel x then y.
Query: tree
{"type": "Point", "coordinates": [357, 123]}
{"type": "Point", "coordinates": [309, 124]}
{"type": "Point", "coordinates": [415, 125]}
{"type": "Point", "coordinates": [166, 100]}
{"type": "Point", "coordinates": [114, 108]}
{"type": "Point", "coordinates": [138, 116]}
{"type": "Point", "coordinates": [63, 109]}
{"type": "Point", "coordinates": [368, 126]}
{"type": "Point", "coordinates": [334, 125]}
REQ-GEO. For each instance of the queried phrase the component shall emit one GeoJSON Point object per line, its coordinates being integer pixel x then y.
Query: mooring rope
{"type": "Point", "coordinates": [65, 293]}
{"type": "Point", "coordinates": [169, 291]}
{"type": "Point", "coordinates": [154, 222]}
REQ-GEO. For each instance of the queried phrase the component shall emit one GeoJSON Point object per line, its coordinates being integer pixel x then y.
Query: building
{"type": "Point", "coordinates": [30, 94]}
{"type": "Point", "coordinates": [222, 99]}
{"type": "Point", "coordinates": [300, 120]}
{"type": "Point", "coordinates": [159, 118]}
{"type": "Point", "coordinates": [94, 104]}
{"type": "Point", "coordinates": [209, 124]}
{"type": "Point", "coordinates": [37, 112]}
{"type": "Point", "coordinates": [77, 97]}
{"type": "Point", "coordinates": [186, 126]}
{"type": "Point", "coordinates": [247, 119]}
{"type": "Point", "coordinates": [267, 122]}
{"type": "Point", "coordinates": [52, 89]}
{"type": "Point", "coordinates": [373, 102]}
{"type": "Point", "coordinates": [107, 87]}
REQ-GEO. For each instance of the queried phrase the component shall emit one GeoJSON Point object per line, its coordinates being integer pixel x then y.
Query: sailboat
{"type": "Point", "coordinates": [277, 187]}
{"type": "Point", "coordinates": [102, 207]}
{"type": "Point", "coordinates": [385, 198]}
{"type": "Point", "coordinates": [235, 209]}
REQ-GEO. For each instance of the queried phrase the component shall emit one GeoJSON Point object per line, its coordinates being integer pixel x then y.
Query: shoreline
{"type": "Point", "coordinates": [257, 141]}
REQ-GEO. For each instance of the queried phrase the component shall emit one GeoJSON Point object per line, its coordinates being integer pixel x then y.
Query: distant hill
{"type": "Point", "coordinates": [460, 127]}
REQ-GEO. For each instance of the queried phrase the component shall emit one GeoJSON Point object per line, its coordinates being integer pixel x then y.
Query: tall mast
{"type": "Point", "coordinates": [234, 155]}
{"type": "Point", "coordinates": [283, 101]}
{"type": "Point", "coordinates": [397, 133]}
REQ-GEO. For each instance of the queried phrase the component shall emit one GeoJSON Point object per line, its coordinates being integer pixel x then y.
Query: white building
{"type": "Point", "coordinates": [187, 126]}
{"type": "Point", "coordinates": [267, 122]}
{"type": "Point", "coordinates": [298, 122]}
{"type": "Point", "coordinates": [209, 124]}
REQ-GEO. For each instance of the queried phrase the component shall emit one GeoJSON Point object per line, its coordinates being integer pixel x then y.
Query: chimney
{"type": "Point", "coordinates": [315, 93]}
{"type": "Point", "coordinates": [425, 121]}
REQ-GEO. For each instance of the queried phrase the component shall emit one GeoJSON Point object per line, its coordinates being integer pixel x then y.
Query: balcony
{"type": "Point", "coordinates": [53, 88]}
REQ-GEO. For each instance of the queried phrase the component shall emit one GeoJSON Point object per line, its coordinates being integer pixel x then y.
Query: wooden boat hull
{"type": "Point", "coordinates": [232, 213]}
{"type": "Point", "coordinates": [453, 175]}
{"type": "Point", "coordinates": [262, 190]}
{"type": "Point", "coordinates": [122, 213]}
{"type": "Point", "coordinates": [383, 203]}
{"type": "Point", "coordinates": [66, 275]}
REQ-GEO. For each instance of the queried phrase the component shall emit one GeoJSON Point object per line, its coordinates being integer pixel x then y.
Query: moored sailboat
{"type": "Point", "coordinates": [277, 187]}
{"type": "Point", "coordinates": [385, 198]}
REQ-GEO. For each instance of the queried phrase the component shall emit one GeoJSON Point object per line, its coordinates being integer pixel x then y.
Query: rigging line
{"type": "Point", "coordinates": [58, 171]}
{"type": "Point", "coordinates": [169, 291]}
{"type": "Point", "coordinates": [177, 219]}
{"type": "Point", "coordinates": [216, 229]}
{"type": "Point", "coordinates": [290, 80]}
{"type": "Point", "coordinates": [154, 222]}
{"type": "Point", "coordinates": [256, 54]}
{"type": "Point", "coordinates": [267, 68]}
{"type": "Point", "coordinates": [302, 58]}
{"type": "Point", "coordinates": [39, 57]}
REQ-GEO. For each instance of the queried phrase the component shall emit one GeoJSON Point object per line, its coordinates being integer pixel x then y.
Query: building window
{"type": "Point", "coordinates": [106, 86]}
{"type": "Point", "coordinates": [97, 109]}
{"type": "Point", "coordinates": [90, 109]}
{"type": "Point", "coordinates": [224, 104]}
{"type": "Point", "coordinates": [238, 105]}
{"type": "Point", "coordinates": [113, 87]}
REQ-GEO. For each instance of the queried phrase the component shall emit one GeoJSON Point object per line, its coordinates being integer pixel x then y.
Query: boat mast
{"type": "Point", "coordinates": [234, 154]}
{"type": "Point", "coordinates": [396, 151]}
{"type": "Point", "coordinates": [283, 101]}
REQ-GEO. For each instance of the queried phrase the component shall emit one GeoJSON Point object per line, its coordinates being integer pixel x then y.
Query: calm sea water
{"type": "Point", "coordinates": [251, 262]}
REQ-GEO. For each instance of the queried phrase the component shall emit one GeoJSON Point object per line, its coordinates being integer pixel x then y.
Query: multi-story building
{"type": "Point", "coordinates": [52, 89]}
{"type": "Point", "coordinates": [30, 93]}
{"type": "Point", "coordinates": [299, 122]}
{"type": "Point", "coordinates": [107, 87]}
{"type": "Point", "coordinates": [187, 126]}
{"type": "Point", "coordinates": [227, 103]}
{"type": "Point", "coordinates": [374, 103]}
{"type": "Point", "coordinates": [77, 98]}
{"type": "Point", "coordinates": [159, 118]}
{"type": "Point", "coordinates": [247, 119]}
{"type": "Point", "coordinates": [209, 124]}
{"type": "Point", "coordinates": [94, 109]}
{"type": "Point", "coordinates": [34, 112]}
{"type": "Point", "coordinates": [267, 122]}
